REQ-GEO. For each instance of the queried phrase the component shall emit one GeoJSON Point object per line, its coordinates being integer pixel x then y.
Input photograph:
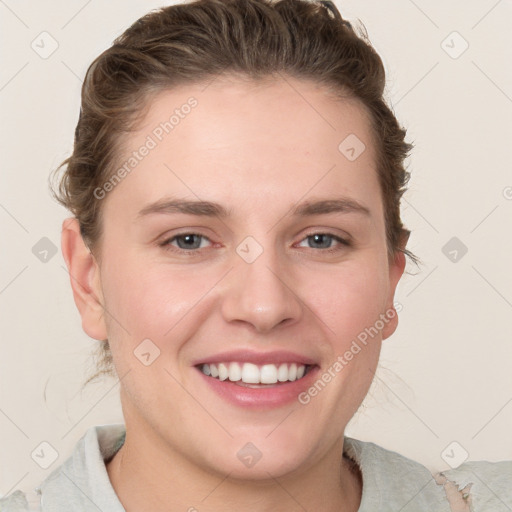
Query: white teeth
{"type": "Point", "coordinates": [253, 374]}
{"type": "Point", "coordinates": [282, 373]}
{"type": "Point", "coordinates": [250, 374]}
{"type": "Point", "coordinates": [235, 372]}
{"type": "Point", "coordinates": [223, 371]}
{"type": "Point", "coordinates": [268, 374]}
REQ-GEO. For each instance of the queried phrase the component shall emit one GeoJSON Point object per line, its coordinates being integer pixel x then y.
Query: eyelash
{"type": "Point", "coordinates": [193, 252]}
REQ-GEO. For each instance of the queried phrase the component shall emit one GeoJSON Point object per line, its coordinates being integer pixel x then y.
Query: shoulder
{"type": "Point", "coordinates": [19, 501]}
{"type": "Point", "coordinates": [81, 483]}
{"type": "Point", "coordinates": [488, 485]}
{"type": "Point", "coordinates": [392, 481]}
{"type": "Point", "coordinates": [389, 477]}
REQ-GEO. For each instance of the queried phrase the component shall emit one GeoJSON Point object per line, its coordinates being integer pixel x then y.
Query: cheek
{"type": "Point", "coordinates": [151, 301]}
{"type": "Point", "coordinates": [148, 302]}
{"type": "Point", "coordinates": [348, 299]}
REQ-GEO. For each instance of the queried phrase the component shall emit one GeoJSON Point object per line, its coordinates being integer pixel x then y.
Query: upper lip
{"type": "Point", "coordinates": [249, 356]}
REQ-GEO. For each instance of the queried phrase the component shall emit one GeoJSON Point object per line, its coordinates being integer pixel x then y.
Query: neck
{"type": "Point", "coordinates": [147, 476]}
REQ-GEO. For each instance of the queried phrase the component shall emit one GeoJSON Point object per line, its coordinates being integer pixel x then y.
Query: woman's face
{"type": "Point", "coordinates": [249, 231]}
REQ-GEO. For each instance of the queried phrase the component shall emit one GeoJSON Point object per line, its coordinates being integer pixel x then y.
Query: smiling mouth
{"type": "Point", "coordinates": [255, 376]}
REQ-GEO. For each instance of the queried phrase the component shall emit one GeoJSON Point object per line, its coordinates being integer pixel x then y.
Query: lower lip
{"type": "Point", "coordinates": [270, 396]}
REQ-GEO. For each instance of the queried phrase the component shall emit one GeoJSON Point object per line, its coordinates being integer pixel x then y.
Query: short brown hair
{"type": "Point", "coordinates": [203, 39]}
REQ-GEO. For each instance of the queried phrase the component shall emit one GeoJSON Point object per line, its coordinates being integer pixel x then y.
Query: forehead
{"type": "Point", "coordinates": [272, 140]}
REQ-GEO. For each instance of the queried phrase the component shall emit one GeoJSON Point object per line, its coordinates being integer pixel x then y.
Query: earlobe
{"type": "Point", "coordinates": [85, 279]}
{"type": "Point", "coordinates": [396, 270]}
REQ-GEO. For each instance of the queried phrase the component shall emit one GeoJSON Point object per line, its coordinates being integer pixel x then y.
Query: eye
{"type": "Point", "coordinates": [186, 242]}
{"type": "Point", "coordinates": [324, 241]}
{"type": "Point", "coordinates": [192, 242]}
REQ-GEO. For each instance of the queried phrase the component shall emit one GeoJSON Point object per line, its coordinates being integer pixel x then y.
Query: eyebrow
{"type": "Point", "coordinates": [210, 209]}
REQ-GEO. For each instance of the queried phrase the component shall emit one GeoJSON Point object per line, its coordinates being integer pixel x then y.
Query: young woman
{"type": "Point", "coordinates": [235, 247]}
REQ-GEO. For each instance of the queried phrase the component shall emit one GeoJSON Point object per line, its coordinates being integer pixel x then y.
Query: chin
{"type": "Point", "coordinates": [268, 467]}
{"type": "Point", "coordinates": [261, 456]}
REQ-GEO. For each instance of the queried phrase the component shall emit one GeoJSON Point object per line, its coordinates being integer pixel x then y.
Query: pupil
{"type": "Point", "coordinates": [320, 238]}
{"type": "Point", "coordinates": [188, 240]}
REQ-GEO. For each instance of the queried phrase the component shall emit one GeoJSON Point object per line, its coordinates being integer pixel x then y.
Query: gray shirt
{"type": "Point", "coordinates": [391, 482]}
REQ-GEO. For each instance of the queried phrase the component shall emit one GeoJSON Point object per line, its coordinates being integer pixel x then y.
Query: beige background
{"type": "Point", "coordinates": [445, 374]}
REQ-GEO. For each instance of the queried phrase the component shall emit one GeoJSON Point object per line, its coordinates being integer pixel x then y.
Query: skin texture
{"type": "Point", "coordinates": [259, 150]}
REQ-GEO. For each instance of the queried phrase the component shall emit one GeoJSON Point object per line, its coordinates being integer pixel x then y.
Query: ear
{"type": "Point", "coordinates": [396, 270]}
{"type": "Point", "coordinates": [84, 275]}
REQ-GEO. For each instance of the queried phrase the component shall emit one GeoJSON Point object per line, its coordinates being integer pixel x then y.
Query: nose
{"type": "Point", "coordinates": [261, 294]}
